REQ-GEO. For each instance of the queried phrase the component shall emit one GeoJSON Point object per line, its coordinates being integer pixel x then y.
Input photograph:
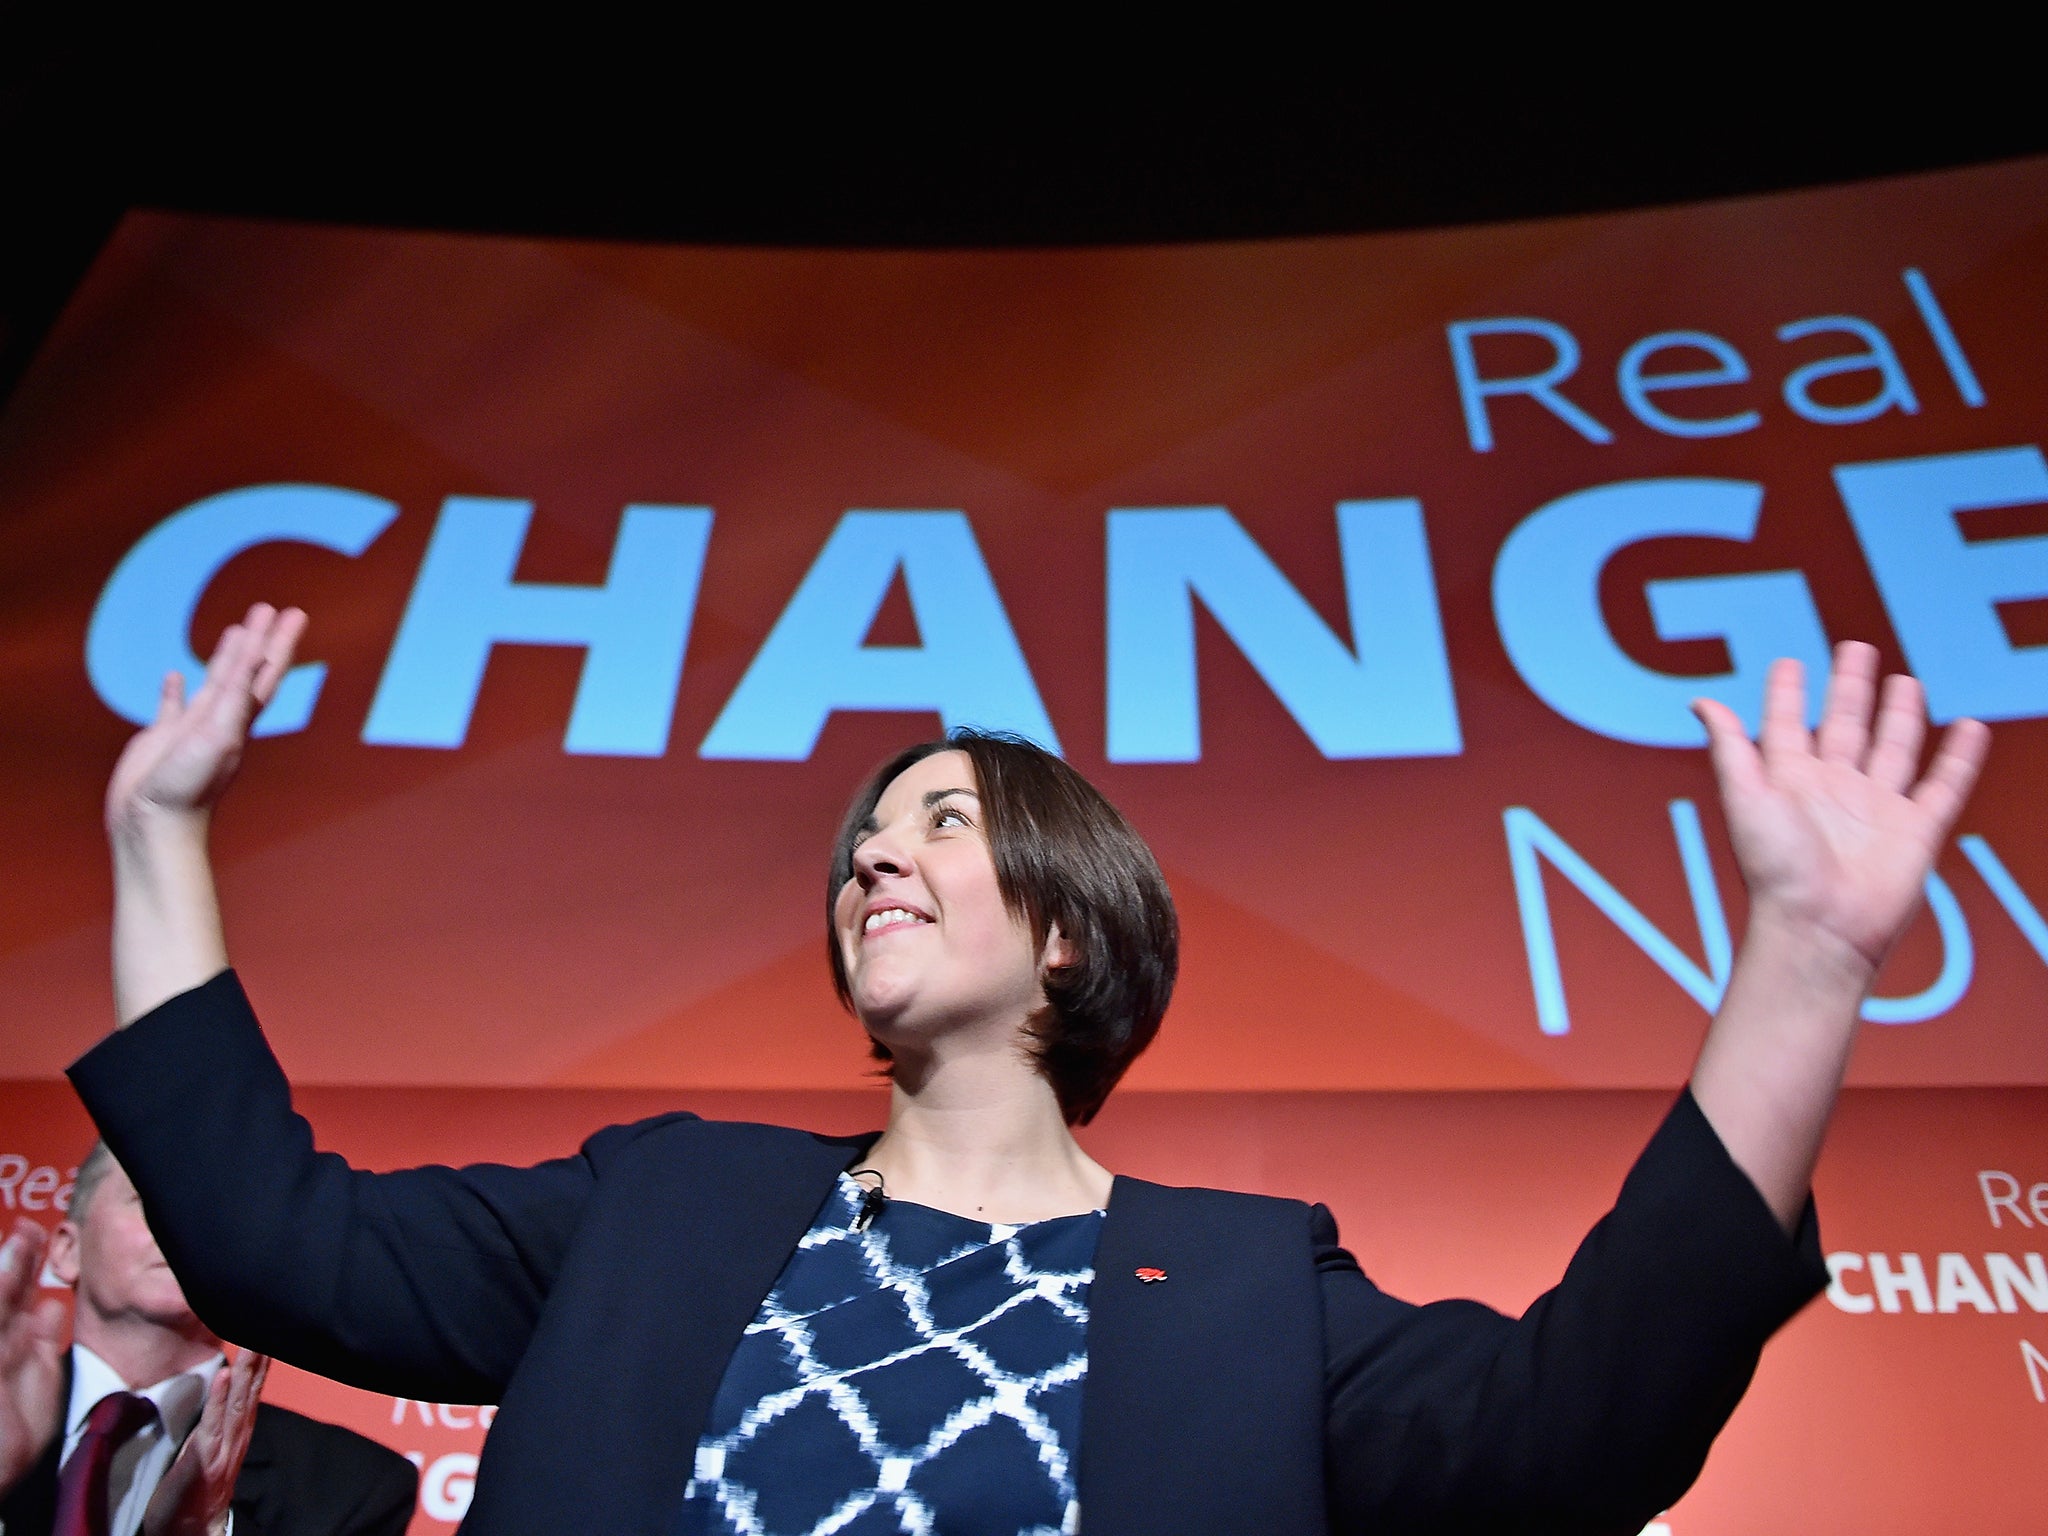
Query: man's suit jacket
{"type": "Point", "coordinates": [300, 1478]}
{"type": "Point", "coordinates": [598, 1298]}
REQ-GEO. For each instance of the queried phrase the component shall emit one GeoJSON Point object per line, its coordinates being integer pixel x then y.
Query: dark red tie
{"type": "Point", "coordinates": [82, 1484]}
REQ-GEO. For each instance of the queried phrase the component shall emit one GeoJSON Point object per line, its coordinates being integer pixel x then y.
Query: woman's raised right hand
{"type": "Point", "coordinates": [182, 762]}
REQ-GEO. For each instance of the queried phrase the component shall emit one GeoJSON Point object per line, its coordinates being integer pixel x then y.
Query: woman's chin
{"type": "Point", "coordinates": [885, 1012]}
{"type": "Point", "coordinates": [900, 1023]}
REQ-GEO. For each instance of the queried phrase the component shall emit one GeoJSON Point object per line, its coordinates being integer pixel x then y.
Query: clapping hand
{"type": "Point", "coordinates": [194, 1495]}
{"type": "Point", "coordinates": [31, 1354]}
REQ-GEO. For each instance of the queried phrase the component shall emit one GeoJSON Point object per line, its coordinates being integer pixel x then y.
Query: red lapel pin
{"type": "Point", "coordinates": [1148, 1274]}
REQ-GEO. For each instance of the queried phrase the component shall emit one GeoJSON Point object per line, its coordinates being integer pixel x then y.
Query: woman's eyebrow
{"type": "Point", "coordinates": [932, 797]}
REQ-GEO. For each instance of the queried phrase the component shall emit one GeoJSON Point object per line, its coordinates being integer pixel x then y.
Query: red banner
{"type": "Point", "coordinates": [1369, 575]}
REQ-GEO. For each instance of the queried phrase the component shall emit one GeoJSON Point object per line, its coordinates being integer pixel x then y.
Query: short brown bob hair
{"type": "Point", "coordinates": [1064, 856]}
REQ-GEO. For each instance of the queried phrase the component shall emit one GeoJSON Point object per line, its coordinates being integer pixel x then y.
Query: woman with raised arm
{"type": "Point", "coordinates": [965, 1324]}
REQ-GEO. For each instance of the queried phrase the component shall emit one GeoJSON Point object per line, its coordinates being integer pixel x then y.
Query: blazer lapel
{"type": "Point", "coordinates": [1202, 1409]}
{"type": "Point", "coordinates": [672, 1263]}
{"type": "Point", "coordinates": [767, 1198]}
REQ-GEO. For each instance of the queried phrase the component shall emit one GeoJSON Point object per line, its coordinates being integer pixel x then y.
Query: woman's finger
{"type": "Point", "coordinates": [1901, 728]}
{"type": "Point", "coordinates": [255, 630]}
{"type": "Point", "coordinates": [228, 651]}
{"type": "Point", "coordinates": [1737, 766]}
{"type": "Point", "coordinates": [1784, 734]}
{"type": "Point", "coordinates": [1845, 719]}
{"type": "Point", "coordinates": [231, 671]}
{"type": "Point", "coordinates": [170, 698]}
{"type": "Point", "coordinates": [1953, 773]}
{"type": "Point", "coordinates": [235, 685]}
{"type": "Point", "coordinates": [280, 640]}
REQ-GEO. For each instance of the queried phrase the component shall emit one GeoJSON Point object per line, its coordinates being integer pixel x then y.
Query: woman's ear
{"type": "Point", "coordinates": [1059, 951]}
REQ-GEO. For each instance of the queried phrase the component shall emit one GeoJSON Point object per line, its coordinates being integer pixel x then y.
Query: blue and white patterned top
{"type": "Point", "coordinates": [923, 1376]}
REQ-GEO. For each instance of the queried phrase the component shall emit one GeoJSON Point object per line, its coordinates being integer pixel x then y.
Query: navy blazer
{"type": "Point", "coordinates": [598, 1297]}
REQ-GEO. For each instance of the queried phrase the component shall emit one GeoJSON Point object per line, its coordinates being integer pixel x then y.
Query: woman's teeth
{"type": "Point", "coordinates": [889, 917]}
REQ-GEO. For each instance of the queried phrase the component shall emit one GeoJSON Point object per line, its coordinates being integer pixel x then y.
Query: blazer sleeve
{"type": "Point", "coordinates": [425, 1283]}
{"type": "Point", "coordinates": [1595, 1409]}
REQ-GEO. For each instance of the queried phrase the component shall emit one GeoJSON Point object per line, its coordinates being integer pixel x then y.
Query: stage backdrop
{"type": "Point", "coordinates": [1371, 577]}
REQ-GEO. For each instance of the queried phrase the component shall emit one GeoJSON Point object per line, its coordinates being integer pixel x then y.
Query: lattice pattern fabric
{"type": "Point", "coordinates": [923, 1376]}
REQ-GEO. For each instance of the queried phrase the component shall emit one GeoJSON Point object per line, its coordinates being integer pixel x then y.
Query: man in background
{"type": "Point", "coordinates": [143, 1426]}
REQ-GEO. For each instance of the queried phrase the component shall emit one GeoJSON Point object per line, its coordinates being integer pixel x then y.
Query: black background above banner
{"type": "Point", "coordinates": [991, 128]}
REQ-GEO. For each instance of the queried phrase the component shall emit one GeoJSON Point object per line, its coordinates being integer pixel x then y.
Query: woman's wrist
{"type": "Point", "coordinates": [1804, 958]}
{"type": "Point", "coordinates": [161, 861]}
{"type": "Point", "coordinates": [142, 828]}
{"type": "Point", "coordinates": [167, 928]}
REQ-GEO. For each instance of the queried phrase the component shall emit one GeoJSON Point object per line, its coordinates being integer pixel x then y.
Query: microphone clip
{"type": "Point", "coordinates": [871, 1199]}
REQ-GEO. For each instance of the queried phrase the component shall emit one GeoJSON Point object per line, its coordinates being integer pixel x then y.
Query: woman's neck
{"type": "Point", "coordinates": [983, 1136]}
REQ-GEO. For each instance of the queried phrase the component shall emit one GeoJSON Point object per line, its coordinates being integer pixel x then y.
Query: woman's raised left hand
{"type": "Point", "coordinates": [1836, 830]}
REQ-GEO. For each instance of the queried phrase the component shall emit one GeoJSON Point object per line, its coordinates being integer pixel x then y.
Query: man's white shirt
{"type": "Point", "coordinates": [140, 1464]}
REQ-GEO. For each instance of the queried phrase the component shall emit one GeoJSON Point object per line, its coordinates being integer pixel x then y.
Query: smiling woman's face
{"type": "Point", "coordinates": [927, 942]}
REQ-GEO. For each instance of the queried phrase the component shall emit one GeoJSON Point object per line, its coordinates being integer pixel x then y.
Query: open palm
{"type": "Point", "coordinates": [186, 757]}
{"type": "Point", "coordinates": [1836, 830]}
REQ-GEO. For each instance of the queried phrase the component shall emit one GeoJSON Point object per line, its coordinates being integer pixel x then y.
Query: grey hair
{"type": "Point", "coordinates": [95, 1167]}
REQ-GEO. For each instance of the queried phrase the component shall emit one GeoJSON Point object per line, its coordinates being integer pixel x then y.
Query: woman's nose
{"type": "Point", "coordinates": [879, 853]}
